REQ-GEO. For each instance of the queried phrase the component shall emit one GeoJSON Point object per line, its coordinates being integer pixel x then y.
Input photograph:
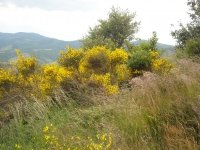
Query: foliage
{"type": "Point", "coordinates": [25, 65]}
{"type": "Point", "coordinates": [95, 60]}
{"type": "Point", "coordinates": [153, 41]}
{"type": "Point", "coordinates": [161, 66]}
{"type": "Point", "coordinates": [187, 35]}
{"type": "Point", "coordinates": [192, 47]}
{"type": "Point", "coordinates": [163, 114]}
{"type": "Point", "coordinates": [104, 81]}
{"type": "Point", "coordinates": [118, 56]}
{"type": "Point", "coordinates": [6, 81]}
{"type": "Point", "coordinates": [122, 72]}
{"type": "Point", "coordinates": [70, 58]}
{"type": "Point", "coordinates": [112, 32]}
{"type": "Point", "coordinates": [140, 60]}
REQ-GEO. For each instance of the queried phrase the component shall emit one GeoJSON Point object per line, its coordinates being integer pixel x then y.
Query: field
{"type": "Point", "coordinates": [154, 112]}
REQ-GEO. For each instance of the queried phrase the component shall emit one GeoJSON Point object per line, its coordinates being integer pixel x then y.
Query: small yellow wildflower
{"type": "Point", "coordinates": [46, 129]}
{"type": "Point", "coordinates": [18, 146]}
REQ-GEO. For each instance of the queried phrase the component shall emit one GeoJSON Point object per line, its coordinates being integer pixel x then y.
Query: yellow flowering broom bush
{"type": "Point", "coordinates": [158, 64]}
{"type": "Point", "coordinates": [25, 65]}
{"type": "Point", "coordinates": [95, 60]}
{"type": "Point", "coordinates": [118, 56]}
{"type": "Point", "coordinates": [70, 58]}
{"type": "Point", "coordinates": [6, 81]}
{"type": "Point", "coordinates": [161, 66]}
{"type": "Point", "coordinates": [105, 82]}
{"type": "Point", "coordinates": [52, 76]}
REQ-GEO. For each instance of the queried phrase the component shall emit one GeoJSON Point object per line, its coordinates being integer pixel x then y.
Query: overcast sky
{"type": "Point", "coordinates": [71, 19]}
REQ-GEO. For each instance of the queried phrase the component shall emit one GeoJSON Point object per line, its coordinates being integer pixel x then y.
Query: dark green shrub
{"type": "Point", "coordinates": [140, 60]}
{"type": "Point", "coordinates": [192, 47]}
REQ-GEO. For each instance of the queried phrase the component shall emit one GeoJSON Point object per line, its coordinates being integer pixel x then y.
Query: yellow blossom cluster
{"type": "Point", "coordinates": [6, 80]}
{"type": "Point", "coordinates": [154, 55]}
{"type": "Point", "coordinates": [56, 73]}
{"type": "Point", "coordinates": [102, 141]}
{"type": "Point", "coordinates": [70, 58]}
{"type": "Point", "coordinates": [118, 56]}
{"type": "Point", "coordinates": [122, 72]}
{"type": "Point", "coordinates": [25, 65]}
{"type": "Point", "coordinates": [161, 66]}
{"type": "Point", "coordinates": [51, 76]}
{"type": "Point", "coordinates": [95, 60]}
{"type": "Point", "coordinates": [104, 81]}
{"type": "Point", "coordinates": [105, 67]}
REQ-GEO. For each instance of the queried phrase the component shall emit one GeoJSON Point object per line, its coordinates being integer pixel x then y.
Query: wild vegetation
{"type": "Point", "coordinates": [112, 95]}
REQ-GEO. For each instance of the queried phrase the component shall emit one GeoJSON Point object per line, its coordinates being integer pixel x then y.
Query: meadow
{"type": "Point", "coordinates": [100, 99]}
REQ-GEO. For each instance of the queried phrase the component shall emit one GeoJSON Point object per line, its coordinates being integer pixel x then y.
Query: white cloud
{"type": "Point", "coordinates": [70, 20]}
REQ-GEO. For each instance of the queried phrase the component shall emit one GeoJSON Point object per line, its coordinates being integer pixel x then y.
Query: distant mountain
{"type": "Point", "coordinates": [44, 48]}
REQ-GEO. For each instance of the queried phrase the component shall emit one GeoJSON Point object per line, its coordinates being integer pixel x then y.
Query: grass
{"type": "Point", "coordinates": [160, 114]}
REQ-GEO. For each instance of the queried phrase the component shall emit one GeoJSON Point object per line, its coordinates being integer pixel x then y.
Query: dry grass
{"type": "Point", "coordinates": [163, 113]}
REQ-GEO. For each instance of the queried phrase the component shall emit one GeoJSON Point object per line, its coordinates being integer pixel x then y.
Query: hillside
{"type": "Point", "coordinates": [44, 48]}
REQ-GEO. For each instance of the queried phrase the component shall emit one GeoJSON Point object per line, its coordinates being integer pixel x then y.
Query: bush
{"type": "Point", "coordinates": [192, 47]}
{"type": "Point", "coordinates": [25, 65]}
{"type": "Point", "coordinates": [140, 60]}
{"type": "Point", "coordinates": [6, 81]}
{"type": "Point", "coordinates": [70, 58]}
{"type": "Point", "coordinates": [118, 56]}
{"type": "Point", "coordinates": [95, 60]}
{"type": "Point", "coordinates": [161, 66]}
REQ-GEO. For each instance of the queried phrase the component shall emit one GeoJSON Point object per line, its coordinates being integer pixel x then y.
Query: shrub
{"type": "Point", "coordinates": [118, 56]}
{"type": "Point", "coordinates": [192, 47]}
{"type": "Point", "coordinates": [140, 60]}
{"type": "Point", "coordinates": [161, 66]}
{"type": "Point", "coordinates": [96, 60]}
{"type": "Point", "coordinates": [122, 73]}
{"type": "Point", "coordinates": [105, 82]}
{"type": "Point", "coordinates": [52, 76]}
{"type": "Point", "coordinates": [70, 58]}
{"type": "Point", "coordinates": [6, 81]}
{"type": "Point", "coordinates": [25, 65]}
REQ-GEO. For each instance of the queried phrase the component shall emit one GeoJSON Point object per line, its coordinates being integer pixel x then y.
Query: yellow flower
{"type": "Point", "coordinates": [161, 66]}
{"type": "Point", "coordinates": [25, 65]}
{"type": "Point", "coordinates": [118, 56]}
{"type": "Point", "coordinates": [45, 129]}
{"type": "Point", "coordinates": [95, 60]}
{"type": "Point", "coordinates": [122, 73]}
{"type": "Point", "coordinates": [18, 146]}
{"type": "Point", "coordinates": [70, 58]}
{"type": "Point", "coordinates": [47, 137]}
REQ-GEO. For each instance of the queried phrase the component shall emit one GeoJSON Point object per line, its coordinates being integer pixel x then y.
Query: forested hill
{"type": "Point", "coordinates": [44, 48]}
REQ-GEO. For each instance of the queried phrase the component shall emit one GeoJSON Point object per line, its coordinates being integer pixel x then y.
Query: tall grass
{"type": "Point", "coordinates": [159, 114]}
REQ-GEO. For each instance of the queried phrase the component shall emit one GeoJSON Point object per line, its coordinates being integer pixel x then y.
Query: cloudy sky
{"type": "Point", "coordinates": [71, 19]}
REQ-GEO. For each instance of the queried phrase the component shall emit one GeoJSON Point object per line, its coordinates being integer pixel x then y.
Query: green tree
{"type": "Point", "coordinates": [191, 31]}
{"type": "Point", "coordinates": [153, 41]}
{"type": "Point", "coordinates": [114, 31]}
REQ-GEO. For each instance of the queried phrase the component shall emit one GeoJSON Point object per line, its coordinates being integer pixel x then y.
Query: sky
{"type": "Point", "coordinates": [70, 19]}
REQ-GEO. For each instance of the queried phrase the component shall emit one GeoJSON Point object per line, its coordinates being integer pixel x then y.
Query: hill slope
{"type": "Point", "coordinates": [44, 48]}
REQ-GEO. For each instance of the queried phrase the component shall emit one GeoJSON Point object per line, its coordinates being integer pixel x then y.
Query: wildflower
{"type": "Point", "coordinates": [46, 129]}
{"type": "Point", "coordinates": [118, 56]}
{"type": "Point", "coordinates": [47, 137]}
{"type": "Point", "coordinates": [18, 146]}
